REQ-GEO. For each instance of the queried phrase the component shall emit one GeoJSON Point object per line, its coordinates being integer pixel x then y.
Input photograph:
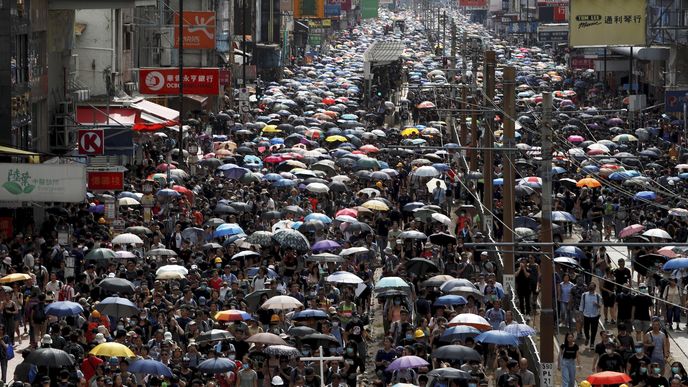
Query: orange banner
{"type": "Point", "coordinates": [199, 29]}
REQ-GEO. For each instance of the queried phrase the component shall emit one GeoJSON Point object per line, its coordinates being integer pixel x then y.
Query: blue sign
{"type": "Point", "coordinates": [333, 10]}
{"type": "Point", "coordinates": [674, 100]}
{"type": "Point", "coordinates": [521, 27]}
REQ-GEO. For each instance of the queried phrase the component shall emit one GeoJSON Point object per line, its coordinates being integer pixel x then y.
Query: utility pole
{"type": "Point", "coordinates": [230, 4]}
{"type": "Point", "coordinates": [547, 313]}
{"type": "Point", "coordinates": [508, 170]}
{"type": "Point", "coordinates": [180, 136]}
{"type": "Point", "coordinates": [463, 134]}
{"type": "Point", "coordinates": [474, 134]}
{"type": "Point", "coordinates": [488, 155]}
{"type": "Point", "coordinates": [444, 31]}
{"type": "Point", "coordinates": [452, 61]}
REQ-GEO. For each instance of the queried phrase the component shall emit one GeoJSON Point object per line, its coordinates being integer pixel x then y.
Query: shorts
{"type": "Point", "coordinates": [609, 300]}
{"type": "Point", "coordinates": [641, 325]}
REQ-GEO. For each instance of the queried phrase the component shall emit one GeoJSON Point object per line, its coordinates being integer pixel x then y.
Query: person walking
{"type": "Point", "coordinates": [568, 360]}
{"type": "Point", "coordinates": [590, 305]}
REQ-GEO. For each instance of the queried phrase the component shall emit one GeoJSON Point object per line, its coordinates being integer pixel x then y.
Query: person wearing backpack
{"type": "Point", "coordinates": [590, 306]}
{"type": "Point", "coordinates": [38, 318]}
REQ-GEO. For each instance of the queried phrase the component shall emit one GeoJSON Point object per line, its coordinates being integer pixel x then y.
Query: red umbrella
{"type": "Point", "coordinates": [328, 101]}
{"type": "Point", "coordinates": [347, 211]}
{"type": "Point", "coordinates": [273, 159]}
{"type": "Point", "coordinates": [425, 105]}
{"type": "Point", "coordinates": [163, 167]}
{"type": "Point", "coordinates": [368, 148]}
{"type": "Point", "coordinates": [184, 191]}
{"type": "Point", "coordinates": [608, 377]}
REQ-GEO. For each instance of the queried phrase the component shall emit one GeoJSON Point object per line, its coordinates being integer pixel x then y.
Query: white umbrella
{"type": "Point", "coordinates": [657, 233]}
{"type": "Point", "coordinates": [317, 188]}
{"type": "Point", "coordinates": [126, 239]}
{"type": "Point", "coordinates": [282, 302]}
{"type": "Point", "coordinates": [599, 147]}
{"type": "Point", "coordinates": [426, 171]}
{"type": "Point", "coordinates": [433, 183]}
{"type": "Point", "coordinates": [471, 320]}
{"type": "Point", "coordinates": [172, 269]}
{"type": "Point", "coordinates": [125, 254]}
{"type": "Point", "coordinates": [344, 277]}
{"type": "Point", "coordinates": [341, 179]}
{"type": "Point", "coordinates": [127, 201]}
{"type": "Point", "coordinates": [170, 275]}
{"type": "Point", "coordinates": [353, 250]}
{"type": "Point", "coordinates": [444, 219]}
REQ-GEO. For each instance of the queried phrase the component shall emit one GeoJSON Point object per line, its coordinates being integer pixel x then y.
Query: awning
{"type": "Point", "coordinates": [8, 151]}
{"type": "Point", "coordinates": [644, 53]}
{"type": "Point", "coordinates": [384, 52]}
{"type": "Point", "coordinates": [153, 112]}
{"type": "Point", "coordinates": [98, 115]}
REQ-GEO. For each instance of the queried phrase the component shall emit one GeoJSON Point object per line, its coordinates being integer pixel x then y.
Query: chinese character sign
{"type": "Point", "coordinates": [105, 181]}
{"type": "Point", "coordinates": [199, 29]}
{"type": "Point", "coordinates": [165, 81]}
{"type": "Point", "coordinates": [42, 183]}
{"type": "Point", "coordinates": [607, 23]}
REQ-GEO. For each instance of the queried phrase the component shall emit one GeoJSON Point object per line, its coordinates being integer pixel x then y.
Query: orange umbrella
{"type": "Point", "coordinates": [588, 182]}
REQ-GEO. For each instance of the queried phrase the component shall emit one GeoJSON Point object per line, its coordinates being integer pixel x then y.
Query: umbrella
{"type": "Point", "coordinates": [454, 283]}
{"type": "Point", "coordinates": [676, 264]}
{"type": "Point", "coordinates": [391, 283]}
{"type": "Point", "coordinates": [300, 331]}
{"type": "Point", "coordinates": [442, 239]}
{"type": "Point", "coordinates": [644, 263]}
{"type": "Point", "coordinates": [449, 373]}
{"type": "Point", "coordinates": [123, 254]}
{"type": "Point", "coordinates": [282, 350]}
{"type": "Point", "coordinates": [354, 250]}
{"type": "Point", "coordinates": [608, 377]}
{"type": "Point", "coordinates": [657, 233]}
{"type": "Point", "coordinates": [112, 349]}
{"type": "Point", "coordinates": [457, 352]}
{"type": "Point", "coordinates": [317, 188]}
{"type": "Point", "coordinates": [127, 239]}
{"type": "Point", "coordinates": [161, 253]}
{"type": "Point", "coordinates": [310, 314]}
{"type": "Point", "coordinates": [139, 230]}
{"type": "Point", "coordinates": [645, 195]}
{"type": "Point", "coordinates": [214, 335]}
{"type": "Point", "coordinates": [50, 357]}
{"type": "Point", "coordinates": [227, 229]}
{"type": "Point", "coordinates": [292, 239]}
{"type": "Point", "coordinates": [459, 332]}
{"type": "Point", "coordinates": [325, 257]}
{"type": "Point", "coordinates": [217, 365]}
{"type": "Point", "coordinates": [566, 261]}
{"type": "Point", "coordinates": [63, 308]}
{"type": "Point", "coordinates": [212, 246]}
{"type": "Point", "coordinates": [570, 251]}
{"type": "Point", "coordinates": [631, 230]}
{"type": "Point", "coordinates": [266, 339]}
{"type": "Point", "coordinates": [497, 337]}
{"type": "Point", "coordinates": [282, 302]}
{"type": "Point", "coordinates": [253, 298]}
{"type": "Point", "coordinates": [101, 254]}
{"type": "Point", "coordinates": [344, 277]}
{"type": "Point", "coordinates": [376, 204]}
{"type": "Point", "coordinates": [588, 182]}
{"type": "Point", "coordinates": [471, 320]}
{"type": "Point", "coordinates": [405, 362]}
{"type": "Point", "coordinates": [193, 234]}
{"type": "Point", "coordinates": [325, 245]}
{"type": "Point", "coordinates": [150, 367]}
{"type": "Point", "coordinates": [316, 340]}
{"type": "Point", "coordinates": [172, 269]}
{"type": "Point", "coordinates": [412, 234]}
{"type": "Point", "coordinates": [519, 330]}
{"type": "Point", "coordinates": [117, 285]}
{"type": "Point", "coordinates": [232, 315]}
{"type": "Point", "coordinates": [117, 307]}
{"type": "Point", "coordinates": [421, 266]}
{"type": "Point", "coordinates": [450, 299]}
{"type": "Point", "coordinates": [437, 280]}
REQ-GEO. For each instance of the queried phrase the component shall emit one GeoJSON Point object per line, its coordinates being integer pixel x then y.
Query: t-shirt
{"type": "Point", "coordinates": [659, 381]}
{"type": "Point", "coordinates": [622, 276]}
{"type": "Point", "coordinates": [642, 305]}
{"type": "Point", "coordinates": [569, 352]}
{"type": "Point", "coordinates": [625, 306]}
{"type": "Point", "coordinates": [611, 362]}
{"type": "Point", "coordinates": [355, 329]}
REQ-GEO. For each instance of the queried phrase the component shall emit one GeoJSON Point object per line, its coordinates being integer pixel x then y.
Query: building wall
{"type": "Point", "coordinates": [96, 48]}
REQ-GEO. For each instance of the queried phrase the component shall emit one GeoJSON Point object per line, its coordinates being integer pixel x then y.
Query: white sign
{"type": "Point", "coordinates": [243, 94]}
{"type": "Point", "coordinates": [509, 283]}
{"type": "Point", "coordinates": [65, 183]}
{"type": "Point", "coordinates": [488, 223]}
{"type": "Point", "coordinates": [547, 374]}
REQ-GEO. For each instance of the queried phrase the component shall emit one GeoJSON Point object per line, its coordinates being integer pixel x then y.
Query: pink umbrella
{"type": "Point", "coordinates": [668, 251]}
{"type": "Point", "coordinates": [631, 230]}
{"type": "Point", "coordinates": [575, 139]}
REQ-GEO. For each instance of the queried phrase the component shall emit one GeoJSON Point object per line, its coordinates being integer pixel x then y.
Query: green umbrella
{"type": "Point", "coordinates": [101, 254]}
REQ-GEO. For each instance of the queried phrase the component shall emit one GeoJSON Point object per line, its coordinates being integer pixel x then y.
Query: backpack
{"type": "Point", "coordinates": [39, 314]}
{"type": "Point", "coordinates": [63, 293]}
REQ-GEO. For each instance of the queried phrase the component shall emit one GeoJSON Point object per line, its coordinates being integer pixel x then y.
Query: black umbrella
{"type": "Point", "coordinates": [253, 299]}
{"type": "Point", "coordinates": [214, 335]}
{"type": "Point", "coordinates": [117, 285]}
{"type": "Point", "coordinates": [647, 262]}
{"type": "Point", "coordinates": [301, 331]}
{"type": "Point", "coordinates": [117, 307]}
{"type": "Point", "coordinates": [316, 340]}
{"type": "Point", "coordinates": [449, 373]}
{"type": "Point", "coordinates": [457, 352]}
{"type": "Point", "coordinates": [442, 239]}
{"type": "Point", "coordinates": [216, 366]}
{"type": "Point", "coordinates": [271, 215]}
{"type": "Point", "coordinates": [421, 266]}
{"type": "Point", "coordinates": [222, 208]}
{"type": "Point", "coordinates": [50, 357]}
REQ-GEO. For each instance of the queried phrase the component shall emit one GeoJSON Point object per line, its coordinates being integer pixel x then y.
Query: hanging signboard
{"type": "Point", "coordinates": [675, 100]}
{"type": "Point", "coordinates": [199, 29]}
{"type": "Point", "coordinates": [473, 4]}
{"type": "Point", "coordinates": [607, 23]}
{"type": "Point", "coordinates": [42, 183]}
{"type": "Point", "coordinates": [165, 81]}
{"type": "Point", "coordinates": [105, 180]}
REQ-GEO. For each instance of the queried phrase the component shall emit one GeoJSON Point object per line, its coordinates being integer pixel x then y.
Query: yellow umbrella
{"type": "Point", "coordinates": [112, 349]}
{"type": "Point", "coordinates": [336, 138]}
{"type": "Point", "coordinates": [409, 131]}
{"type": "Point", "coordinates": [375, 205]}
{"type": "Point", "coordinates": [271, 129]}
{"type": "Point", "coordinates": [15, 277]}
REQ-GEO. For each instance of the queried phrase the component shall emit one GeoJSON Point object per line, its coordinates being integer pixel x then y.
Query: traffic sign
{"type": "Point", "coordinates": [243, 94]}
{"type": "Point", "coordinates": [91, 142]}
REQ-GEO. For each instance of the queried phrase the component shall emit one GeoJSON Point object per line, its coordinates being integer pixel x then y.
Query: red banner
{"type": "Point", "coordinates": [105, 181]}
{"type": "Point", "coordinates": [152, 127]}
{"type": "Point", "coordinates": [579, 63]}
{"type": "Point", "coordinates": [199, 29]}
{"type": "Point", "coordinates": [165, 81]}
{"type": "Point", "coordinates": [473, 3]}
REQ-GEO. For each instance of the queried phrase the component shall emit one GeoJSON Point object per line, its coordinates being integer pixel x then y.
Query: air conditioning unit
{"type": "Point", "coordinates": [131, 87]}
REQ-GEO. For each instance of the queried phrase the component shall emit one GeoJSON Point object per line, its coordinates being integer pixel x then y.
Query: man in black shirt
{"type": "Point", "coordinates": [624, 314]}
{"type": "Point", "coordinates": [355, 332]}
{"type": "Point", "coordinates": [622, 275]}
{"type": "Point", "coordinates": [642, 303]}
{"type": "Point", "coordinates": [637, 364]}
{"type": "Point", "coordinates": [610, 360]}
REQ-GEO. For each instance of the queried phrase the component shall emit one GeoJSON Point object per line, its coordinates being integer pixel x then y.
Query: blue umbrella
{"type": "Point", "coordinates": [235, 173]}
{"type": "Point", "coordinates": [519, 330]}
{"type": "Point", "coordinates": [127, 194]}
{"type": "Point", "coordinates": [167, 193]}
{"type": "Point", "coordinates": [253, 271]}
{"type": "Point", "coordinates": [226, 167]}
{"type": "Point", "coordinates": [63, 308]}
{"type": "Point", "coordinates": [558, 170]}
{"type": "Point", "coordinates": [497, 337]}
{"type": "Point", "coordinates": [309, 313]}
{"type": "Point", "coordinates": [227, 229]}
{"type": "Point", "coordinates": [391, 282]}
{"type": "Point", "coordinates": [325, 245]}
{"type": "Point", "coordinates": [318, 216]}
{"type": "Point", "coordinates": [216, 365]}
{"type": "Point", "coordinates": [459, 332]}
{"type": "Point", "coordinates": [563, 216]}
{"type": "Point", "coordinates": [441, 167]}
{"type": "Point", "coordinates": [645, 195]}
{"type": "Point", "coordinates": [97, 209]}
{"type": "Point", "coordinates": [498, 182]}
{"type": "Point", "coordinates": [284, 183]}
{"type": "Point", "coordinates": [683, 175]}
{"type": "Point", "coordinates": [150, 367]}
{"type": "Point", "coordinates": [590, 169]}
{"type": "Point", "coordinates": [675, 264]}
{"type": "Point", "coordinates": [450, 299]}
{"type": "Point", "coordinates": [570, 251]}
{"type": "Point", "coordinates": [272, 177]}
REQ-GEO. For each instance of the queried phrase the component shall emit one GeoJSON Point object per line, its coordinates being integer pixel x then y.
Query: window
{"type": "Point", "coordinates": [21, 58]}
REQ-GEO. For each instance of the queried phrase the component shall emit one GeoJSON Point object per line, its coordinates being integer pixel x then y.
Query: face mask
{"type": "Point", "coordinates": [349, 350]}
{"type": "Point", "coordinates": [674, 370]}
{"type": "Point", "coordinates": [643, 290]}
{"type": "Point", "coordinates": [658, 370]}
{"type": "Point", "coordinates": [409, 337]}
{"type": "Point", "coordinates": [397, 302]}
{"type": "Point", "coordinates": [472, 385]}
{"type": "Point", "coordinates": [245, 366]}
{"type": "Point", "coordinates": [231, 356]}
{"type": "Point", "coordinates": [609, 351]}
{"type": "Point", "coordinates": [335, 323]}
{"type": "Point", "coordinates": [638, 350]}
{"type": "Point", "coordinates": [643, 370]}
{"type": "Point", "coordinates": [306, 353]}
{"type": "Point", "coordinates": [120, 326]}
{"type": "Point", "coordinates": [219, 265]}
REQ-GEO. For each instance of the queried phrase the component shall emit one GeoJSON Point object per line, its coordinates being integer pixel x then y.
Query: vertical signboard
{"type": "Point", "coordinates": [369, 9]}
{"type": "Point", "coordinates": [607, 23]}
{"type": "Point", "coordinates": [199, 29]}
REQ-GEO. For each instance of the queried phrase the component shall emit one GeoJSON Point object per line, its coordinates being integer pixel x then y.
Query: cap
{"type": "Point", "coordinates": [95, 314]}
{"type": "Point", "coordinates": [100, 338]}
{"type": "Point", "coordinates": [274, 318]}
{"type": "Point", "coordinates": [168, 336]}
{"type": "Point", "coordinates": [277, 381]}
{"type": "Point", "coordinates": [218, 260]}
{"type": "Point", "coordinates": [47, 339]}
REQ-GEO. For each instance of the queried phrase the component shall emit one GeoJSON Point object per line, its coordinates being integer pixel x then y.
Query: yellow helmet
{"type": "Point", "coordinates": [585, 383]}
{"type": "Point", "coordinates": [419, 334]}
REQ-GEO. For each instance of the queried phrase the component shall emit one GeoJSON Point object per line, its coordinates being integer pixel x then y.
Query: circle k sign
{"type": "Point", "coordinates": [91, 142]}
